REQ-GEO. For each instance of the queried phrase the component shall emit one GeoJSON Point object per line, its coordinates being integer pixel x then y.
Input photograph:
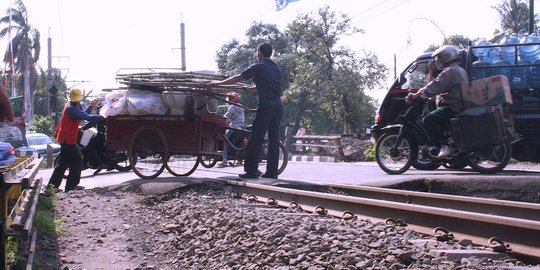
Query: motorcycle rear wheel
{"type": "Point", "coordinates": [395, 161]}
{"type": "Point", "coordinates": [490, 159]}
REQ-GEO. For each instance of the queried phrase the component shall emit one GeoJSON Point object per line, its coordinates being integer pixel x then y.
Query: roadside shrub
{"type": "Point", "coordinates": [42, 124]}
{"type": "Point", "coordinates": [369, 153]}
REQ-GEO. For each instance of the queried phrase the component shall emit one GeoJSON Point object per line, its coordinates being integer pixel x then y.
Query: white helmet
{"type": "Point", "coordinates": [444, 55]}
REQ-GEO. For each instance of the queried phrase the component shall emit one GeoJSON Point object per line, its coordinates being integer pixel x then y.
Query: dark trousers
{"type": "Point", "coordinates": [94, 151]}
{"type": "Point", "coordinates": [69, 157]}
{"type": "Point", "coordinates": [435, 123]}
{"type": "Point", "coordinates": [266, 120]}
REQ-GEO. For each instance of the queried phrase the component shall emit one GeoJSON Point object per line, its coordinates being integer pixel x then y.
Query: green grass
{"type": "Point", "coordinates": [12, 246]}
{"type": "Point", "coordinates": [45, 221]}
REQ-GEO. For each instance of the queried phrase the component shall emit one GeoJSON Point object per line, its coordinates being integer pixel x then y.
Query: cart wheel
{"type": "Point", "coordinates": [182, 165]}
{"type": "Point", "coordinates": [208, 161]}
{"type": "Point", "coordinates": [283, 156]}
{"type": "Point", "coordinates": [148, 152]}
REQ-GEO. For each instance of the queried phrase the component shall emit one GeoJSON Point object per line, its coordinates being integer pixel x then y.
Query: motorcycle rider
{"type": "Point", "coordinates": [446, 87]}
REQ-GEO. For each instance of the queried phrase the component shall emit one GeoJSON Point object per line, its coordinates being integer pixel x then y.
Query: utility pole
{"type": "Point", "coordinates": [49, 72]}
{"type": "Point", "coordinates": [531, 16]}
{"type": "Point", "coordinates": [182, 43]}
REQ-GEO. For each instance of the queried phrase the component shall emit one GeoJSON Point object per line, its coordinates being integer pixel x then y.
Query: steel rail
{"type": "Point", "coordinates": [507, 208]}
{"type": "Point", "coordinates": [518, 234]}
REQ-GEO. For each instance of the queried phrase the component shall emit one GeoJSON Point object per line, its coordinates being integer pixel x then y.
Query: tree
{"type": "Point", "coordinates": [324, 83]}
{"type": "Point", "coordinates": [514, 15]}
{"type": "Point", "coordinates": [330, 79]}
{"type": "Point", "coordinates": [26, 47]}
{"type": "Point", "coordinates": [460, 41]}
{"type": "Point", "coordinates": [40, 95]}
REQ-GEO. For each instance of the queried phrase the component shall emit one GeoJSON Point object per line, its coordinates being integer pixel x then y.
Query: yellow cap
{"type": "Point", "coordinates": [75, 95]}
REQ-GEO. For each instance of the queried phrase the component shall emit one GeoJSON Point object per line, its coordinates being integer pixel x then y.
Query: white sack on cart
{"type": "Point", "coordinates": [142, 102]}
{"type": "Point", "coordinates": [114, 103]}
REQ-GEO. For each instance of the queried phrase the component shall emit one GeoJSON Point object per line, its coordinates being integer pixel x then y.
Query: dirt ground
{"type": "Point", "coordinates": [98, 227]}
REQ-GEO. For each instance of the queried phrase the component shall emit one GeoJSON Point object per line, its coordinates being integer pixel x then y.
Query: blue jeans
{"type": "Point", "coordinates": [228, 134]}
{"type": "Point", "coordinates": [267, 120]}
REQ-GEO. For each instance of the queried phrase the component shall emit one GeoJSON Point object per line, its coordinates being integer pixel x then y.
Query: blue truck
{"type": "Point", "coordinates": [519, 62]}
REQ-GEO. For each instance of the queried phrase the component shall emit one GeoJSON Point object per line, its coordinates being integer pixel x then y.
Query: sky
{"type": "Point", "coordinates": [93, 40]}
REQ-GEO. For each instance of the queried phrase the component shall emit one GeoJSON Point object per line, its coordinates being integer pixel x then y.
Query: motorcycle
{"type": "Point", "coordinates": [93, 150]}
{"type": "Point", "coordinates": [481, 141]}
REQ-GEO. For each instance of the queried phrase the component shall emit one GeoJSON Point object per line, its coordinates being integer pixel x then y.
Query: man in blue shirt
{"type": "Point", "coordinates": [267, 77]}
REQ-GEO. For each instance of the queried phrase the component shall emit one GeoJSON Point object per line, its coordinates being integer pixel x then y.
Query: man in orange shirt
{"type": "Point", "coordinates": [66, 135]}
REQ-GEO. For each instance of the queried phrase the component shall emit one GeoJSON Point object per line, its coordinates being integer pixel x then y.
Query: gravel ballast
{"type": "Point", "coordinates": [203, 227]}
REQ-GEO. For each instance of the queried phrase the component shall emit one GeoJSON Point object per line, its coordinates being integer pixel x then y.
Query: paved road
{"type": "Point", "coordinates": [361, 173]}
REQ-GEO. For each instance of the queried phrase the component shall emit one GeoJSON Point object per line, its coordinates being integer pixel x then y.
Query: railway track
{"type": "Point", "coordinates": [504, 226]}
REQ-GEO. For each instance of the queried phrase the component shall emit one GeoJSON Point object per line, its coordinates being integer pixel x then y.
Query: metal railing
{"type": "Point", "coordinates": [19, 192]}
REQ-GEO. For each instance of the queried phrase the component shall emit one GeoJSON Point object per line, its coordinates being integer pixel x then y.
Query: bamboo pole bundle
{"type": "Point", "coordinates": [160, 81]}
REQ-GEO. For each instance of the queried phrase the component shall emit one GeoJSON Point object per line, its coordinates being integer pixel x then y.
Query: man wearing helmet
{"type": "Point", "coordinates": [66, 135]}
{"type": "Point", "coordinates": [446, 87]}
{"type": "Point", "coordinates": [235, 119]}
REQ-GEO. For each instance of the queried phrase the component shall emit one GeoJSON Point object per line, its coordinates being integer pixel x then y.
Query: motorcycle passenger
{"type": "Point", "coordinates": [235, 119]}
{"type": "Point", "coordinates": [446, 87]}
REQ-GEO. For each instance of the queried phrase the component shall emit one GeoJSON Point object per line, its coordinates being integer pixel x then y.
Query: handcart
{"type": "Point", "coordinates": [176, 142]}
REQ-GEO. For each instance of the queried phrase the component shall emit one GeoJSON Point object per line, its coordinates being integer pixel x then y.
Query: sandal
{"type": "Point", "coordinates": [223, 164]}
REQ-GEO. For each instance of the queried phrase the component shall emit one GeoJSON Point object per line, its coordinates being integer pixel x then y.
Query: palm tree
{"type": "Point", "coordinates": [514, 15]}
{"type": "Point", "coordinates": [25, 49]}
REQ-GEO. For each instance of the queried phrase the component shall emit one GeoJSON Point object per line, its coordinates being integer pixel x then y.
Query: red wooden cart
{"type": "Point", "coordinates": [174, 142]}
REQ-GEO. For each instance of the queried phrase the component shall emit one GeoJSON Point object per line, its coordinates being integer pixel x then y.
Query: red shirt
{"type": "Point", "coordinates": [68, 128]}
{"type": "Point", "coordinates": [66, 132]}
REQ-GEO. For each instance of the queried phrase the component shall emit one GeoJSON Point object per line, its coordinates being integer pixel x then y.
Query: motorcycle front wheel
{"type": "Point", "coordinates": [395, 160]}
{"type": "Point", "coordinates": [423, 162]}
{"type": "Point", "coordinates": [490, 159]}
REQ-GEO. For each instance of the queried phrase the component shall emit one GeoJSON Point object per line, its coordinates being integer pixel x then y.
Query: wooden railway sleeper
{"type": "Point", "coordinates": [442, 234]}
